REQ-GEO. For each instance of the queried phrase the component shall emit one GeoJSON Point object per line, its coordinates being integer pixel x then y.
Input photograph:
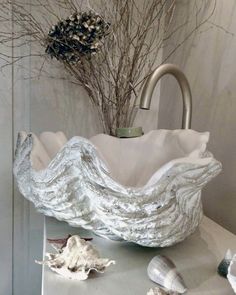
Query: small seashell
{"type": "Point", "coordinates": [224, 264]}
{"type": "Point", "coordinates": [160, 291]}
{"type": "Point", "coordinates": [232, 273]}
{"type": "Point", "coordinates": [162, 271]}
{"type": "Point", "coordinates": [156, 291]}
{"type": "Point", "coordinates": [76, 260]}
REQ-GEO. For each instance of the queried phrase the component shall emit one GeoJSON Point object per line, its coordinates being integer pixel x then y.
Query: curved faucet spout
{"type": "Point", "coordinates": [151, 82]}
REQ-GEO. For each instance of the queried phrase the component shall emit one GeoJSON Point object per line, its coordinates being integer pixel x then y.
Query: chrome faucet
{"type": "Point", "coordinates": [151, 82]}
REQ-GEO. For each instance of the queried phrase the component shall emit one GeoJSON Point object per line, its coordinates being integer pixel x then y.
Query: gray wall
{"type": "Point", "coordinates": [208, 59]}
{"type": "Point", "coordinates": [6, 200]}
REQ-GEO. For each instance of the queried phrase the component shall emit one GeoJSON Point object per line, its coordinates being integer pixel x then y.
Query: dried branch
{"type": "Point", "coordinates": [113, 76]}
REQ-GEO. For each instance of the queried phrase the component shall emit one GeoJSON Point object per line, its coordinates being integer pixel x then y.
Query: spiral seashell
{"type": "Point", "coordinates": [162, 271]}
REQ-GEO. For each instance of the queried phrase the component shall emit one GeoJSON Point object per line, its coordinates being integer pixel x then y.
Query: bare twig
{"type": "Point", "coordinates": [113, 77]}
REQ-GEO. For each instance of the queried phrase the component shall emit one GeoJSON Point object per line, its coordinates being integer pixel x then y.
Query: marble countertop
{"type": "Point", "coordinates": [196, 258]}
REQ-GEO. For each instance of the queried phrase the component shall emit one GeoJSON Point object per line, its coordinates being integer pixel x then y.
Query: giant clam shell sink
{"type": "Point", "coordinates": [146, 190]}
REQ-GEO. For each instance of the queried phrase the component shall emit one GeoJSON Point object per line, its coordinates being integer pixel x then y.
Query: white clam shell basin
{"type": "Point", "coordinates": [146, 190]}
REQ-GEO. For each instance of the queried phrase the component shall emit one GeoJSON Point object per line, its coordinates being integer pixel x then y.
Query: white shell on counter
{"type": "Point", "coordinates": [146, 190]}
{"type": "Point", "coordinates": [76, 260]}
{"type": "Point", "coordinates": [157, 291]}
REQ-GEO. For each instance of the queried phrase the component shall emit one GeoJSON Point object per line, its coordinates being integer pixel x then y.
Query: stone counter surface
{"type": "Point", "coordinates": [196, 258]}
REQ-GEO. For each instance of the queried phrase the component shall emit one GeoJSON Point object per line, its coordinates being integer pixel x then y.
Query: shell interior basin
{"type": "Point", "coordinates": [130, 161]}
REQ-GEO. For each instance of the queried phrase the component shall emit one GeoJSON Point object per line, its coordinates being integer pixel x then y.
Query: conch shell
{"type": "Point", "coordinates": [76, 260]}
{"type": "Point", "coordinates": [162, 271]}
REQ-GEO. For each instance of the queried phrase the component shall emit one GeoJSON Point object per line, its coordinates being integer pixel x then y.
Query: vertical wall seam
{"type": "Point", "coordinates": [12, 139]}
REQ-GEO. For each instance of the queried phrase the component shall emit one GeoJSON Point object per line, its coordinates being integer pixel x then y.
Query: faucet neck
{"type": "Point", "coordinates": [151, 82]}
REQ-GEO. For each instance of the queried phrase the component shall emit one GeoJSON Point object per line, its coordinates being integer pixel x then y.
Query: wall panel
{"type": "Point", "coordinates": [6, 202]}
{"type": "Point", "coordinates": [208, 60]}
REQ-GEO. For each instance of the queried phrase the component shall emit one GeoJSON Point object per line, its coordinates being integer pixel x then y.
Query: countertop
{"type": "Point", "coordinates": [196, 258]}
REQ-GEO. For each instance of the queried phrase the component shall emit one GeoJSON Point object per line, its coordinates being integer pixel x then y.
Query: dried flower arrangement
{"type": "Point", "coordinates": [108, 47]}
{"type": "Point", "coordinates": [76, 37]}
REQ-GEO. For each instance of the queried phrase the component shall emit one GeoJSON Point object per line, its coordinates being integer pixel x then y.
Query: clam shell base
{"type": "Point", "coordinates": [162, 271]}
{"type": "Point", "coordinates": [145, 190]}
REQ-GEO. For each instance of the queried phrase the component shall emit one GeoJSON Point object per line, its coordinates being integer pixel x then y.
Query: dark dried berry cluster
{"type": "Point", "coordinates": [76, 36]}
